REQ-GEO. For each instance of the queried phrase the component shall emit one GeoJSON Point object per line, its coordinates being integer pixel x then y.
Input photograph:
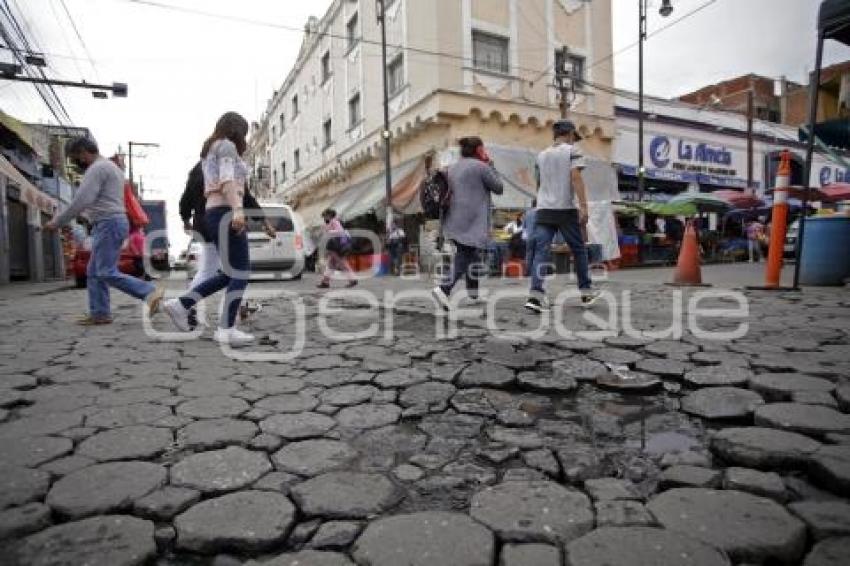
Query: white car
{"type": "Point", "coordinates": [282, 255]}
{"type": "Point", "coordinates": [790, 248]}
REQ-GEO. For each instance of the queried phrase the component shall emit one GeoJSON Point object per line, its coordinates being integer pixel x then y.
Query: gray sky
{"type": "Point", "coordinates": [184, 70]}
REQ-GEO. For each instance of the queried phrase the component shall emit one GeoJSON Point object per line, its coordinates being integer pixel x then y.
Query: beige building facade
{"type": "Point", "coordinates": [456, 68]}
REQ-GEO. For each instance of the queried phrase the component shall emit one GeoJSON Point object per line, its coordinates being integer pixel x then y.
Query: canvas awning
{"type": "Point", "coordinates": [29, 192]}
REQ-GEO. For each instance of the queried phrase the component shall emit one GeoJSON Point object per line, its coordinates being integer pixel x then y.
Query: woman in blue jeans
{"type": "Point", "coordinates": [225, 178]}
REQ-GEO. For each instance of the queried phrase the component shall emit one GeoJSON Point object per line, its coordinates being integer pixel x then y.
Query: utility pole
{"type": "Point", "coordinates": [750, 104]}
{"type": "Point", "coordinates": [382, 19]}
{"type": "Point", "coordinates": [564, 78]}
{"type": "Point", "coordinates": [130, 158]}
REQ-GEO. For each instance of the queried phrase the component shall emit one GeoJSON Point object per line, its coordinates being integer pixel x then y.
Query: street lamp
{"type": "Point", "coordinates": [130, 154]}
{"type": "Point", "coordinates": [665, 10]}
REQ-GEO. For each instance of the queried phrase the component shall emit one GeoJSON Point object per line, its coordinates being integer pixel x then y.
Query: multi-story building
{"type": "Point", "coordinates": [257, 156]}
{"type": "Point", "coordinates": [455, 68]}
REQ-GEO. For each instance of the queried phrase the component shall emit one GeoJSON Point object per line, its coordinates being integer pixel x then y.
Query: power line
{"type": "Point", "coordinates": [80, 37]}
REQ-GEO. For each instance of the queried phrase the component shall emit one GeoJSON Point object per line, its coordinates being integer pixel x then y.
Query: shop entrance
{"type": "Point", "coordinates": [19, 250]}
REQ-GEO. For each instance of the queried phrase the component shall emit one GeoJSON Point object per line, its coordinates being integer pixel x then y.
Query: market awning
{"type": "Point", "coordinates": [739, 199]}
{"type": "Point", "coordinates": [29, 192]}
{"type": "Point", "coordinates": [836, 192]}
{"type": "Point", "coordinates": [662, 208]}
{"type": "Point", "coordinates": [371, 194]}
{"type": "Point", "coordinates": [704, 202]}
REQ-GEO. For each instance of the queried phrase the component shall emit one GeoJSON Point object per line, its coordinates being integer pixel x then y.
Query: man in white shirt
{"type": "Point", "coordinates": [560, 185]}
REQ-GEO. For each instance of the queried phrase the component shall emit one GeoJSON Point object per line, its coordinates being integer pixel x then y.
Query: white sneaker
{"type": "Point", "coordinates": [442, 298]}
{"type": "Point", "coordinates": [178, 313]}
{"type": "Point", "coordinates": [232, 336]}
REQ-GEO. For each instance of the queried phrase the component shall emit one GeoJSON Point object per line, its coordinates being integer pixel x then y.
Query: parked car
{"type": "Point", "coordinates": [127, 262]}
{"type": "Point", "coordinates": [282, 255]}
{"type": "Point", "coordinates": [155, 209]}
{"type": "Point", "coordinates": [193, 252]}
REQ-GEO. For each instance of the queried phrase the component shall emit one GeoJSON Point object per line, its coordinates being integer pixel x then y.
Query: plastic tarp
{"type": "Point", "coordinates": [371, 195]}
{"type": "Point", "coordinates": [704, 202]}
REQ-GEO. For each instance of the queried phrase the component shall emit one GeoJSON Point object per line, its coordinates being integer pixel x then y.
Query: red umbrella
{"type": "Point", "coordinates": [815, 194]}
{"type": "Point", "coordinates": [835, 192]}
{"type": "Point", "coordinates": [739, 199]}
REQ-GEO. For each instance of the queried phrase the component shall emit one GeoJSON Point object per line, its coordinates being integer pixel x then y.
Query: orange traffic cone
{"type": "Point", "coordinates": [688, 272]}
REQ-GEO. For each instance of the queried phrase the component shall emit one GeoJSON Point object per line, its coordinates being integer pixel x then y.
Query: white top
{"type": "Point", "coordinates": [554, 168]}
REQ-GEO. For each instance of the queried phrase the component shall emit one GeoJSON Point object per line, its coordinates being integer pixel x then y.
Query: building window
{"type": "Point", "coordinates": [354, 111]}
{"type": "Point", "coordinates": [274, 132]}
{"type": "Point", "coordinates": [326, 67]}
{"type": "Point", "coordinates": [395, 74]}
{"type": "Point", "coordinates": [274, 175]}
{"type": "Point", "coordinates": [283, 171]}
{"type": "Point", "coordinates": [282, 124]}
{"type": "Point", "coordinates": [297, 157]}
{"type": "Point", "coordinates": [572, 67]}
{"type": "Point", "coordinates": [327, 129]}
{"type": "Point", "coordinates": [295, 107]}
{"type": "Point", "coordinates": [352, 32]}
{"type": "Point", "coordinates": [490, 52]}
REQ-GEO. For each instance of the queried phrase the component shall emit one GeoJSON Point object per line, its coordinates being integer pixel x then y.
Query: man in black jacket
{"type": "Point", "coordinates": [193, 203]}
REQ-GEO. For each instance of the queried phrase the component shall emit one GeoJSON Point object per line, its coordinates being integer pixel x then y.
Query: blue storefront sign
{"type": "Point", "coordinates": [833, 174]}
{"type": "Point", "coordinates": [686, 161]}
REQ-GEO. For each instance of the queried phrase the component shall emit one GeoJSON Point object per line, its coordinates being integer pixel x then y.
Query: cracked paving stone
{"type": "Point", "coordinates": [642, 546]}
{"type": "Point", "coordinates": [336, 535]}
{"type": "Point", "coordinates": [533, 511]}
{"type": "Point", "coordinates": [276, 385]}
{"type": "Point", "coordinates": [842, 394]}
{"type": "Point", "coordinates": [347, 395]}
{"type": "Point", "coordinates": [220, 470]}
{"type": "Point", "coordinates": [297, 403]}
{"type": "Point", "coordinates": [313, 457]}
{"type": "Point", "coordinates": [163, 504]}
{"type": "Point", "coordinates": [824, 518]}
{"type": "Point", "coordinates": [764, 484]}
{"type": "Point", "coordinates": [450, 425]}
{"type": "Point", "coordinates": [689, 476]}
{"type": "Point", "coordinates": [814, 398]}
{"type": "Point", "coordinates": [471, 472]}
{"type": "Point", "coordinates": [305, 558]}
{"type": "Point", "coordinates": [622, 513]}
{"type": "Point", "coordinates": [297, 426]}
{"type": "Point", "coordinates": [132, 396]}
{"type": "Point", "coordinates": [663, 367]}
{"type": "Point", "coordinates": [504, 355]}
{"type": "Point", "coordinates": [11, 397]}
{"type": "Point", "coordinates": [483, 402]}
{"type": "Point", "coordinates": [322, 362]}
{"type": "Point", "coordinates": [208, 388]}
{"type": "Point", "coordinates": [377, 358]}
{"type": "Point", "coordinates": [616, 356]}
{"type": "Point", "coordinates": [525, 439]}
{"type": "Point", "coordinates": [368, 415]}
{"type": "Point", "coordinates": [829, 552]}
{"type": "Point", "coordinates": [401, 377]}
{"type": "Point", "coordinates": [19, 485]}
{"type": "Point", "coordinates": [266, 442]}
{"type": "Point", "coordinates": [408, 473]}
{"type": "Point", "coordinates": [610, 489]}
{"type": "Point", "coordinates": [530, 555]}
{"type": "Point", "coordinates": [718, 358]}
{"type": "Point", "coordinates": [127, 443]}
{"type": "Point", "coordinates": [104, 488]}
{"type": "Point", "coordinates": [830, 466]}
{"type": "Point", "coordinates": [19, 521]}
{"type": "Point", "coordinates": [546, 382]}
{"type": "Point", "coordinates": [64, 466]}
{"type": "Point", "coordinates": [486, 374]}
{"type": "Point", "coordinates": [280, 482]}
{"type": "Point", "coordinates": [721, 403]}
{"type": "Point", "coordinates": [813, 420]}
{"type": "Point", "coordinates": [542, 460]}
{"type": "Point", "coordinates": [33, 451]}
{"type": "Point", "coordinates": [427, 394]}
{"type": "Point", "coordinates": [213, 407]}
{"type": "Point", "coordinates": [112, 540]}
{"type": "Point", "coordinates": [215, 433]}
{"type": "Point", "coordinates": [248, 521]}
{"type": "Point", "coordinates": [667, 347]}
{"type": "Point", "coordinates": [578, 368]}
{"type": "Point", "coordinates": [128, 415]}
{"type": "Point", "coordinates": [764, 448]}
{"type": "Point", "coordinates": [345, 495]}
{"type": "Point", "coordinates": [716, 376]}
{"type": "Point", "coordinates": [337, 377]}
{"type": "Point", "coordinates": [748, 528]}
{"type": "Point", "coordinates": [781, 386]}
{"type": "Point", "coordinates": [431, 538]}
{"type": "Point", "coordinates": [40, 425]}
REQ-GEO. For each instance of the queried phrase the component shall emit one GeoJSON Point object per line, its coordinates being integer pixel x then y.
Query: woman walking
{"type": "Point", "coordinates": [225, 176]}
{"type": "Point", "coordinates": [467, 223]}
{"type": "Point", "coordinates": [338, 244]}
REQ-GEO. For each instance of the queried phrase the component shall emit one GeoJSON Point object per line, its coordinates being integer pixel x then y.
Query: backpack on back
{"type": "Point", "coordinates": [435, 196]}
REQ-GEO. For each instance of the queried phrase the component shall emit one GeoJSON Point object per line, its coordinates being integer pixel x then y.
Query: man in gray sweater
{"type": "Point", "coordinates": [467, 222]}
{"type": "Point", "coordinates": [101, 196]}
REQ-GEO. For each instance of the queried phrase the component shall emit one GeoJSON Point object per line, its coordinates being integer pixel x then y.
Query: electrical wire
{"type": "Point", "coordinates": [80, 37]}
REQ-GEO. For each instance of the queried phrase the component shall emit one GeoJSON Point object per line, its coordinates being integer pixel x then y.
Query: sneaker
{"type": "Point", "coordinates": [589, 297]}
{"type": "Point", "coordinates": [323, 285]}
{"type": "Point", "coordinates": [154, 300]}
{"type": "Point", "coordinates": [232, 336]}
{"type": "Point", "coordinates": [89, 320]}
{"type": "Point", "coordinates": [192, 317]}
{"type": "Point", "coordinates": [538, 304]}
{"type": "Point", "coordinates": [352, 283]}
{"type": "Point", "coordinates": [442, 298]}
{"type": "Point", "coordinates": [178, 313]}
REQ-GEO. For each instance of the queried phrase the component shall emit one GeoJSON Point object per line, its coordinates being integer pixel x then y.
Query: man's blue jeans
{"type": "Point", "coordinates": [107, 239]}
{"type": "Point", "coordinates": [543, 236]}
{"type": "Point", "coordinates": [467, 263]}
{"type": "Point", "coordinates": [234, 257]}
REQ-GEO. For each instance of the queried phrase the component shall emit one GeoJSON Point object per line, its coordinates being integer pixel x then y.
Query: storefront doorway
{"type": "Point", "coordinates": [19, 249]}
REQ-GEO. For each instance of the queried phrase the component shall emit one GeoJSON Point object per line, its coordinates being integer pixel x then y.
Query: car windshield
{"type": "Point", "coordinates": [279, 217]}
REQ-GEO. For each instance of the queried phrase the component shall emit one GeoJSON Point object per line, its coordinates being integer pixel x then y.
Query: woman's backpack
{"type": "Point", "coordinates": [435, 196]}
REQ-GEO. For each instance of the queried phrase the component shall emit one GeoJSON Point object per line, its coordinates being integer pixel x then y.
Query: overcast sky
{"type": "Point", "coordinates": [184, 70]}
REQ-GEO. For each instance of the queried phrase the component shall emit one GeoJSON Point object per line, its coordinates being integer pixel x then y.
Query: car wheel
{"type": "Point", "coordinates": [80, 282]}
